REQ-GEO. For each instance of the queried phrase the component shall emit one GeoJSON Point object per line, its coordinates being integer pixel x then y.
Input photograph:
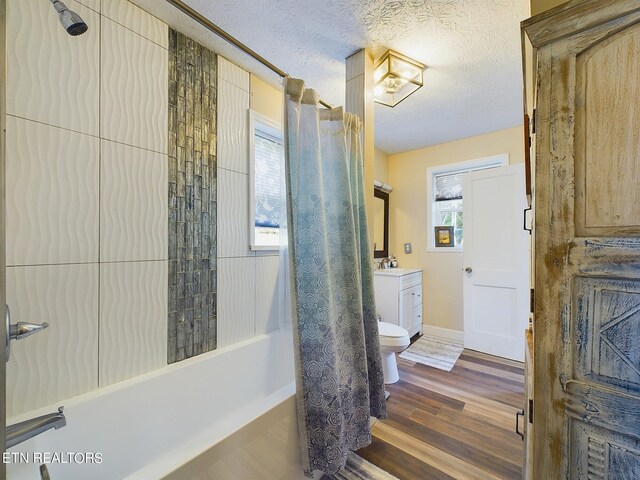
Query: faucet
{"type": "Point", "coordinates": [23, 431]}
{"type": "Point", "coordinates": [385, 263]}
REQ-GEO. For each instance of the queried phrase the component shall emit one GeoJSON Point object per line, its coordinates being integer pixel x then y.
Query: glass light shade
{"type": "Point", "coordinates": [396, 77]}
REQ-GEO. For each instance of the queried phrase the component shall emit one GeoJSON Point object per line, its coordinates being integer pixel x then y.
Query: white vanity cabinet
{"type": "Point", "coordinates": [398, 293]}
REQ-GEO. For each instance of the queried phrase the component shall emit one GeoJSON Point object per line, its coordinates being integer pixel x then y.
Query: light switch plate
{"type": "Point", "coordinates": [407, 248]}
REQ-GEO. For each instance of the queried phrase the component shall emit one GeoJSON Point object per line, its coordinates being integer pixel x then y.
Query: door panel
{"type": "Point", "coordinates": [604, 143]}
{"type": "Point", "coordinates": [597, 453]}
{"type": "Point", "coordinates": [496, 250]}
{"type": "Point", "coordinates": [607, 332]}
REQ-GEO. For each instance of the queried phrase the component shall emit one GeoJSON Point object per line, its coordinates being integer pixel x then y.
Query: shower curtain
{"type": "Point", "coordinates": [339, 376]}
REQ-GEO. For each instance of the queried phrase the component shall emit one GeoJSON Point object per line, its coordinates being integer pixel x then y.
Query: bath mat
{"type": "Point", "coordinates": [358, 468]}
{"type": "Point", "coordinates": [434, 352]}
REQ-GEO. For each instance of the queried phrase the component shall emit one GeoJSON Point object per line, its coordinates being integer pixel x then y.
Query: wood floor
{"type": "Point", "coordinates": [452, 425]}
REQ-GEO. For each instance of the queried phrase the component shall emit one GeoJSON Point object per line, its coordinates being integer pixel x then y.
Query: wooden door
{"type": "Point", "coordinates": [495, 280]}
{"type": "Point", "coordinates": [587, 241]}
{"type": "Point", "coordinates": [3, 144]}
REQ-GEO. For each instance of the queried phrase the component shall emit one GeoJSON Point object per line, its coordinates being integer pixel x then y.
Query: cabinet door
{"type": "Point", "coordinates": [406, 308]}
{"type": "Point", "coordinates": [416, 317]}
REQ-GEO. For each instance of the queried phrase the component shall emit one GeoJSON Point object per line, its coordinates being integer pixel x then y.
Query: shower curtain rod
{"type": "Point", "coordinates": [205, 22]}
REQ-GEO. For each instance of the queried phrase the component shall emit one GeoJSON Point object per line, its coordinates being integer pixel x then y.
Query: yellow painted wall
{"type": "Point", "coordinates": [442, 271]}
{"type": "Point", "coordinates": [266, 99]}
{"type": "Point", "coordinates": [381, 166]}
{"type": "Point", "coordinates": [539, 6]}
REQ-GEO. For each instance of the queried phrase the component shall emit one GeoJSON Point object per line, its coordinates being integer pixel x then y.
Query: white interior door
{"type": "Point", "coordinates": [496, 262]}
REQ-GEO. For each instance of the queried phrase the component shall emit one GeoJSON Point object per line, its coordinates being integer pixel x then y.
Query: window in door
{"type": "Point", "coordinates": [445, 196]}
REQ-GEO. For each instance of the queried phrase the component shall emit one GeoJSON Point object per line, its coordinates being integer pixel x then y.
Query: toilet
{"type": "Point", "coordinates": [393, 339]}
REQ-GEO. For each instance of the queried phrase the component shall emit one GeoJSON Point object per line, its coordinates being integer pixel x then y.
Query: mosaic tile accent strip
{"type": "Point", "coordinates": [192, 198]}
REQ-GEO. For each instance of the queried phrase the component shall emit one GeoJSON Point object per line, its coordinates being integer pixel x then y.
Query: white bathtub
{"type": "Point", "coordinates": [149, 426]}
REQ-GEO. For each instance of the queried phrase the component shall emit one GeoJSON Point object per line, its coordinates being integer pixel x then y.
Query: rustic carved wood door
{"type": "Point", "coordinates": [587, 242]}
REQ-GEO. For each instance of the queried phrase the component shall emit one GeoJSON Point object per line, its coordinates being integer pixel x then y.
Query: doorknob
{"type": "Point", "coordinates": [468, 269]}
{"type": "Point", "coordinates": [18, 331]}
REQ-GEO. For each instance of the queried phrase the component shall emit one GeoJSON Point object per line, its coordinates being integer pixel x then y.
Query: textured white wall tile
{"type": "Point", "coordinates": [233, 74]}
{"type": "Point", "coordinates": [133, 319]}
{"type": "Point", "coordinates": [236, 300]}
{"type": "Point", "coordinates": [233, 124]}
{"type": "Point", "coordinates": [134, 97]}
{"type": "Point", "coordinates": [52, 194]}
{"type": "Point", "coordinates": [136, 19]}
{"type": "Point", "coordinates": [133, 207]}
{"type": "Point", "coordinates": [92, 4]}
{"type": "Point", "coordinates": [233, 214]}
{"type": "Point", "coordinates": [61, 361]}
{"type": "Point", "coordinates": [52, 76]}
{"type": "Point", "coordinates": [267, 295]}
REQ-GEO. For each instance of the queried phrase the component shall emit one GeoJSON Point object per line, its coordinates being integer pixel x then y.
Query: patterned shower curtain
{"type": "Point", "coordinates": [338, 365]}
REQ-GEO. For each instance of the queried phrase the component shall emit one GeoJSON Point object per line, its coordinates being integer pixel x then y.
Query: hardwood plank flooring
{"type": "Point", "coordinates": [452, 425]}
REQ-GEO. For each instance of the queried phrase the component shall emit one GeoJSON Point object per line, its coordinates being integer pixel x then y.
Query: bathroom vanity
{"type": "Point", "coordinates": [398, 293]}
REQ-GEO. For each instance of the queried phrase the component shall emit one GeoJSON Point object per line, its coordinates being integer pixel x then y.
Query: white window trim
{"type": "Point", "coordinates": [476, 164]}
{"type": "Point", "coordinates": [273, 129]}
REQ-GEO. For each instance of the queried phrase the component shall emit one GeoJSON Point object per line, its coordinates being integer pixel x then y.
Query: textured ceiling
{"type": "Point", "coordinates": [473, 81]}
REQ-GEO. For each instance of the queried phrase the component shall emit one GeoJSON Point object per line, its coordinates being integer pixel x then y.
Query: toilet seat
{"type": "Point", "coordinates": [392, 335]}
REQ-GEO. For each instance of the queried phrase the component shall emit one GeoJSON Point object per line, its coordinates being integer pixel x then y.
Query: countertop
{"type": "Point", "coordinates": [396, 272]}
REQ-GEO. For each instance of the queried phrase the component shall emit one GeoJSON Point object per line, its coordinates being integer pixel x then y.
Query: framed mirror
{"type": "Point", "coordinates": [380, 224]}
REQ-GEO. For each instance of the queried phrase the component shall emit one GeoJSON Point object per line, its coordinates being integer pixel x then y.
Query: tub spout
{"type": "Point", "coordinates": [20, 432]}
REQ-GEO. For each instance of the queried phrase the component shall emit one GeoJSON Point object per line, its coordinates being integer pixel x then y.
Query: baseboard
{"type": "Point", "coordinates": [445, 333]}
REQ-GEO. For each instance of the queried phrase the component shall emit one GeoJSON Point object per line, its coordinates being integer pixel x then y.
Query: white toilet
{"type": "Point", "coordinates": [393, 339]}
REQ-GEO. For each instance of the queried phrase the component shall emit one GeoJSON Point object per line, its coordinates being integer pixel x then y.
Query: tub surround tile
{"type": "Point", "coordinates": [133, 312]}
{"type": "Point", "coordinates": [267, 253]}
{"type": "Point", "coordinates": [267, 294]}
{"type": "Point", "coordinates": [233, 124]}
{"type": "Point", "coordinates": [42, 56]}
{"type": "Point", "coordinates": [61, 361]}
{"type": "Point", "coordinates": [92, 4]}
{"type": "Point", "coordinates": [192, 216]}
{"type": "Point", "coordinates": [133, 208]}
{"type": "Point", "coordinates": [136, 19]}
{"type": "Point", "coordinates": [236, 300]}
{"type": "Point", "coordinates": [233, 201]}
{"type": "Point", "coordinates": [133, 96]}
{"type": "Point", "coordinates": [52, 194]}
{"type": "Point", "coordinates": [233, 74]}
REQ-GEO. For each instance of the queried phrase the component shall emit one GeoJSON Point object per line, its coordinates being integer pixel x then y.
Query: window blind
{"type": "Point", "coordinates": [268, 164]}
{"type": "Point", "coordinates": [448, 187]}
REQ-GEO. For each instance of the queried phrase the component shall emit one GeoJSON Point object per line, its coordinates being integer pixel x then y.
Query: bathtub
{"type": "Point", "coordinates": [172, 419]}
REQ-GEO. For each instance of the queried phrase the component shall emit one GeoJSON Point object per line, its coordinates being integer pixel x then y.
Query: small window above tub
{"type": "Point", "coordinates": [266, 174]}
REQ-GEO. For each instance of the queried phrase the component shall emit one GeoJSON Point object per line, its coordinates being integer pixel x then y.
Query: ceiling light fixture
{"type": "Point", "coordinates": [396, 77]}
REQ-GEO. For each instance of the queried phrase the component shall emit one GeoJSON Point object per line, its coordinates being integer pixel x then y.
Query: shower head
{"type": "Point", "coordinates": [70, 20]}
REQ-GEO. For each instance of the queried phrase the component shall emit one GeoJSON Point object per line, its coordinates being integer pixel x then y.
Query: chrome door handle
{"type": "Point", "coordinates": [468, 269]}
{"type": "Point", "coordinates": [18, 331]}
